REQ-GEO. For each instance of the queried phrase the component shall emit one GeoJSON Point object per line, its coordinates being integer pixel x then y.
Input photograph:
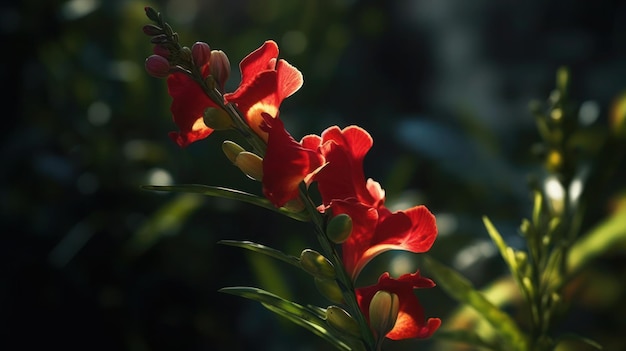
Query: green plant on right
{"type": "Point", "coordinates": [577, 158]}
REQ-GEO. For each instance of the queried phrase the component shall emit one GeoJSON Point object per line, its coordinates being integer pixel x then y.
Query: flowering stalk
{"type": "Point", "coordinates": [352, 212]}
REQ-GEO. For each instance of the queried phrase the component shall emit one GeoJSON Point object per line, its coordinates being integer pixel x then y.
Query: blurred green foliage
{"type": "Point", "coordinates": [90, 261]}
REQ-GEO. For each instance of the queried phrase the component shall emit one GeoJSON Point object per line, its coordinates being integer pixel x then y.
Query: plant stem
{"type": "Point", "coordinates": [343, 279]}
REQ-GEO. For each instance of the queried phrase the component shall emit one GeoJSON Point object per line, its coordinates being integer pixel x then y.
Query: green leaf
{"type": "Point", "coordinates": [463, 336]}
{"type": "Point", "coordinates": [508, 254]}
{"type": "Point", "coordinates": [300, 315]}
{"type": "Point", "coordinates": [462, 290]}
{"type": "Point", "coordinates": [229, 194]}
{"type": "Point", "coordinates": [607, 235]}
{"type": "Point", "coordinates": [266, 250]}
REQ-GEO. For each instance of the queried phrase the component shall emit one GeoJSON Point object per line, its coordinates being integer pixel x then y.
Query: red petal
{"type": "Point", "coordinates": [286, 163]}
{"type": "Point", "coordinates": [343, 177]}
{"type": "Point", "coordinates": [413, 230]}
{"type": "Point", "coordinates": [255, 97]}
{"type": "Point", "coordinates": [289, 79]}
{"type": "Point", "coordinates": [259, 60]}
{"type": "Point", "coordinates": [188, 105]}
{"type": "Point", "coordinates": [364, 221]}
{"type": "Point", "coordinates": [410, 322]}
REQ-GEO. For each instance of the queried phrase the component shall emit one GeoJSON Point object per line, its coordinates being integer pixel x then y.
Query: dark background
{"type": "Point", "coordinates": [91, 262]}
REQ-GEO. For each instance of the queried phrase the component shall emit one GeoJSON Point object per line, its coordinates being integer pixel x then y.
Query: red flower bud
{"type": "Point", "coordinates": [157, 66]}
{"type": "Point", "coordinates": [161, 51]}
{"type": "Point", "coordinates": [201, 53]}
{"type": "Point", "coordinates": [220, 67]}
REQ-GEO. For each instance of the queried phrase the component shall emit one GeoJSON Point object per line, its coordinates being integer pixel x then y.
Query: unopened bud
{"type": "Point", "coordinates": [201, 53]}
{"type": "Point", "coordinates": [220, 67]}
{"type": "Point", "coordinates": [250, 164]}
{"type": "Point", "coordinates": [231, 150]}
{"type": "Point", "coordinates": [342, 321]}
{"type": "Point", "coordinates": [185, 54]}
{"type": "Point", "coordinates": [217, 118]}
{"type": "Point", "coordinates": [339, 228]}
{"type": "Point", "coordinates": [329, 289]}
{"type": "Point", "coordinates": [159, 39]}
{"type": "Point", "coordinates": [317, 265]}
{"type": "Point", "coordinates": [157, 66]}
{"type": "Point", "coordinates": [383, 312]}
{"type": "Point", "coordinates": [151, 29]}
{"type": "Point", "coordinates": [161, 51]}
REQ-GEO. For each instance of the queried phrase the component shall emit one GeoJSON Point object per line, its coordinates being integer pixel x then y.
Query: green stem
{"type": "Point", "coordinates": [343, 279]}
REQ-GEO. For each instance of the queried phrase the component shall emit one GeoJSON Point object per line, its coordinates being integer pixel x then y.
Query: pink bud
{"type": "Point", "coordinates": [220, 67]}
{"type": "Point", "coordinates": [161, 51]}
{"type": "Point", "coordinates": [201, 53]}
{"type": "Point", "coordinates": [157, 66]}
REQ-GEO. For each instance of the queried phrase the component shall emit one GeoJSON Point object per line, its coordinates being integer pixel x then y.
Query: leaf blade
{"type": "Point", "coordinates": [228, 193]}
{"type": "Point", "coordinates": [294, 312]}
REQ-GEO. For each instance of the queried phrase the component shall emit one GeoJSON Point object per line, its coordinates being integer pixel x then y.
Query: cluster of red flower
{"type": "Point", "coordinates": [334, 160]}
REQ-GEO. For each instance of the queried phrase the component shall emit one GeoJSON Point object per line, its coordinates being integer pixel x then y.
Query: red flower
{"type": "Point", "coordinates": [410, 322]}
{"type": "Point", "coordinates": [376, 230]}
{"type": "Point", "coordinates": [343, 177]}
{"type": "Point", "coordinates": [344, 189]}
{"type": "Point", "coordinates": [286, 163]}
{"type": "Point", "coordinates": [265, 83]}
{"type": "Point", "coordinates": [188, 104]}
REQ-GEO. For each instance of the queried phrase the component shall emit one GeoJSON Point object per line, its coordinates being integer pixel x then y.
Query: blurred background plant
{"type": "Point", "coordinates": [443, 86]}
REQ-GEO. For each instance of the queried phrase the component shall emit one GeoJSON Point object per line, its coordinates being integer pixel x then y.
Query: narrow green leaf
{"type": "Point", "coordinates": [228, 194]}
{"type": "Point", "coordinates": [462, 290]}
{"type": "Point", "coordinates": [607, 235]}
{"type": "Point", "coordinates": [294, 312]}
{"type": "Point", "coordinates": [508, 254]}
{"type": "Point", "coordinates": [266, 250]}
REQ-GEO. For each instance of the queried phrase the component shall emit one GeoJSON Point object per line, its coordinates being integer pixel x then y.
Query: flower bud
{"type": "Point", "coordinates": [159, 39]}
{"type": "Point", "coordinates": [157, 66]}
{"type": "Point", "coordinates": [220, 67]}
{"type": "Point", "coordinates": [217, 118]}
{"type": "Point", "coordinates": [161, 51]}
{"type": "Point", "coordinates": [329, 289]}
{"type": "Point", "coordinates": [231, 150]}
{"type": "Point", "coordinates": [383, 312]}
{"type": "Point", "coordinates": [250, 164]}
{"type": "Point", "coordinates": [316, 264]}
{"type": "Point", "coordinates": [185, 54]}
{"type": "Point", "coordinates": [341, 320]}
{"type": "Point", "coordinates": [201, 53]}
{"type": "Point", "coordinates": [151, 29]}
{"type": "Point", "coordinates": [339, 228]}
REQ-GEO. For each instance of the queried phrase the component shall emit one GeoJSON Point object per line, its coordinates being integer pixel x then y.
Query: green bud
{"type": "Point", "coordinates": [231, 150]}
{"type": "Point", "coordinates": [384, 309]}
{"type": "Point", "coordinates": [217, 118]}
{"type": "Point", "coordinates": [250, 164]}
{"type": "Point", "coordinates": [339, 228]}
{"type": "Point", "coordinates": [341, 320]}
{"type": "Point", "coordinates": [329, 289]}
{"type": "Point", "coordinates": [316, 264]}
